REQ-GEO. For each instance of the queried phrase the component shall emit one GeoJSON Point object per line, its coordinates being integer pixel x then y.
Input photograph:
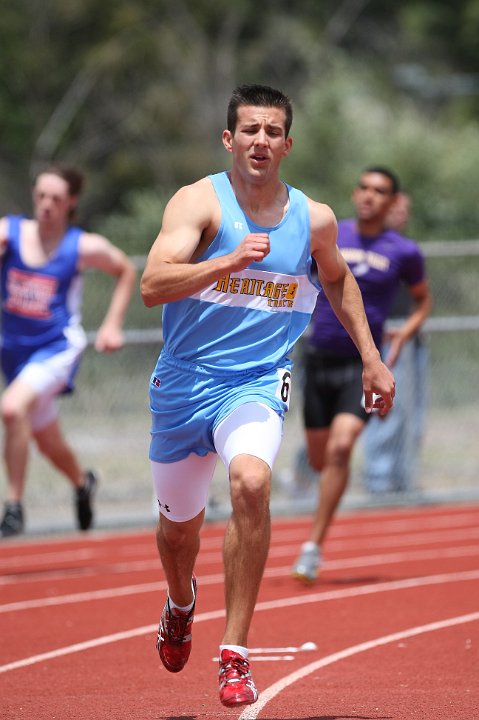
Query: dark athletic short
{"type": "Point", "coordinates": [332, 385]}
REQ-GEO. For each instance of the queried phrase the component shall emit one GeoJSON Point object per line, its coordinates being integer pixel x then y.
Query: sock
{"type": "Point", "coordinates": [185, 608]}
{"type": "Point", "coordinates": [237, 649]}
{"type": "Point", "coordinates": [309, 546]}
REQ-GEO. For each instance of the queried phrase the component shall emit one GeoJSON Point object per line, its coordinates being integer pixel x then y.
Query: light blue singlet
{"type": "Point", "coordinates": [252, 318]}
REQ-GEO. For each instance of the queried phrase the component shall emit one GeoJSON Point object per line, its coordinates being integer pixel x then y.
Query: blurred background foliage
{"type": "Point", "coordinates": [135, 92]}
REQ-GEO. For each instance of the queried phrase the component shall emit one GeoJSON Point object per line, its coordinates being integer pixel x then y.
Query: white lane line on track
{"type": "Point", "coordinates": [363, 529]}
{"type": "Point", "coordinates": [418, 538]}
{"type": "Point", "coordinates": [139, 588]}
{"type": "Point", "coordinates": [214, 558]}
{"type": "Point", "coordinates": [270, 693]}
{"type": "Point", "coordinates": [308, 646]}
{"type": "Point", "coordinates": [266, 652]}
{"type": "Point", "coordinates": [48, 558]}
{"type": "Point", "coordinates": [267, 605]}
{"type": "Point", "coordinates": [129, 566]}
{"type": "Point", "coordinates": [267, 658]}
{"type": "Point", "coordinates": [370, 527]}
{"type": "Point", "coordinates": [399, 557]}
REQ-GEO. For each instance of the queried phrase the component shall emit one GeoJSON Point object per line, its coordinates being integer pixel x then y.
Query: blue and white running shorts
{"type": "Point", "coordinates": [188, 403]}
{"type": "Point", "coordinates": [49, 370]}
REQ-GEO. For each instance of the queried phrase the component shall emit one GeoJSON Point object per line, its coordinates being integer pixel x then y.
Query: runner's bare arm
{"type": "Point", "coordinates": [190, 220]}
{"type": "Point", "coordinates": [345, 298]}
{"type": "Point", "coordinates": [97, 252]}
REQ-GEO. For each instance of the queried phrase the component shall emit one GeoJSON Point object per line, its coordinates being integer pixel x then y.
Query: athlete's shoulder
{"type": "Point", "coordinates": [195, 205]}
{"type": "Point", "coordinates": [4, 222]}
{"type": "Point", "coordinates": [321, 215]}
{"type": "Point", "coordinates": [198, 187]}
{"type": "Point", "coordinates": [196, 194]}
{"type": "Point", "coordinates": [3, 235]}
{"type": "Point", "coordinates": [323, 227]}
{"type": "Point", "coordinates": [8, 220]}
{"type": "Point", "coordinates": [10, 226]}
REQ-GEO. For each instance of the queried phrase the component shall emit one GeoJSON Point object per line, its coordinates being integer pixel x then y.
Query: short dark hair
{"type": "Point", "coordinates": [260, 96]}
{"type": "Point", "coordinates": [395, 184]}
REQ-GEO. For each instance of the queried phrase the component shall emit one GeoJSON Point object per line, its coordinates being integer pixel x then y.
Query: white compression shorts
{"type": "Point", "coordinates": [48, 377]}
{"type": "Point", "coordinates": [182, 487]}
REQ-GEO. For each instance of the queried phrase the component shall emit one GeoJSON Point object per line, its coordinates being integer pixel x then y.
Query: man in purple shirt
{"type": "Point", "coordinates": [334, 416]}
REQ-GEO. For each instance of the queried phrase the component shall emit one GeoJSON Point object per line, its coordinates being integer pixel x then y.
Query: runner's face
{"type": "Point", "coordinates": [51, 199]}
{"type": "Point", "coordinates": [373, 197]}
{"type": "Point", "coordinates": [258, 143]}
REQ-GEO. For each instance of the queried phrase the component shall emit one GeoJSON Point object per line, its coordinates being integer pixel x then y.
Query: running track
{"type": "Point", "coordinates": [395, 619]}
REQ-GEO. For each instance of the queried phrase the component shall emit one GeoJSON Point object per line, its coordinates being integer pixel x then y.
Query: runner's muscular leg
{"type": "Point", "coordinates": [178, 545]}
{"type": "Point", "coordinates": [52, 444]}
{"type": "Point", "coordinates": [335, 455]}
{"type": "Point", "coordinates": [246, 543]}
{"type": "Point", "coordinates": [181, 489]}
{"type": "Point", "coordinates": [17, 401]}
{"type": "Point", "coordinates": [316, 442]}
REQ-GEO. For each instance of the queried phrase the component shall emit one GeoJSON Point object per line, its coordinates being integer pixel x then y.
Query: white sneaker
{"type": "Point", "coordinates": [307, 565]}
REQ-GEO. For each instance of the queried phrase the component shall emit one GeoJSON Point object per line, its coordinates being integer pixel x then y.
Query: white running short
{"type": "Point", "coordinates": [49, 376]}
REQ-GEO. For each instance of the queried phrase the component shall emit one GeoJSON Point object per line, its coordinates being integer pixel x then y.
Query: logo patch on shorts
{"type": "Point", "coordinates": [156, 381]}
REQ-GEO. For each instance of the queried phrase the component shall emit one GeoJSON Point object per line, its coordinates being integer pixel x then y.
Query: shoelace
{"type": "Point", "coordinates": [176, 627]}
{"type": "Point", "coordinates": [235, 669]}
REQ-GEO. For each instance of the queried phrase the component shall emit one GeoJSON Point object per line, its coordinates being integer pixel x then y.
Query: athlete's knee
{"type": "Point", "coordinates": [339, 451]}
{"type": "Point", "coordinates": [250, 484]}
{"type": "Point", "coordinates": [11, 411]}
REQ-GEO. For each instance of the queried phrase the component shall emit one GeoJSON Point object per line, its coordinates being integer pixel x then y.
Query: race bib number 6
{"type": "Point", "coordinates": [283, 389]}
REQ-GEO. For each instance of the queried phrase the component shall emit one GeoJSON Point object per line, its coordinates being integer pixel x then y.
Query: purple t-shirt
{"type": "Point", "coordinates": [380, 264]}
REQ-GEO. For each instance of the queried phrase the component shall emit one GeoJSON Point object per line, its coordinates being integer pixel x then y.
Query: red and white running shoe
{"type": "Point", "coordinates": [235, 681]}
{"type": "Point", "coordinates": [174, 635]}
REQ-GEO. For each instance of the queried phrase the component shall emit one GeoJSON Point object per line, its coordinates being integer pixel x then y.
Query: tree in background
{"type": "Point", "coordinates": [133, 91]}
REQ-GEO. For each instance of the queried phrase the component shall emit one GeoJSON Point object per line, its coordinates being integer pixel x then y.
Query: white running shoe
{"type": "Point", "coordinates": [307, 565]}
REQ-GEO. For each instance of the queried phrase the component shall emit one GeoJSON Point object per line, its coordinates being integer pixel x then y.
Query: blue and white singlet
{"type": "Point", "coordinates": [39, 303]}
{"type": "Point", "coordinates": [249, 319]}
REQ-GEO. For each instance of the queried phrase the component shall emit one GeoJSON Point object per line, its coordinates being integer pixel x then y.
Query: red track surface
{"type": "Point", "coordinates": [395, 618]}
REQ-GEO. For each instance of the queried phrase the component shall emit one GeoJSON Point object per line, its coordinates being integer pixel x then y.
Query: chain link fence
{"type": "Point", "coordinates": [107, 418]}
